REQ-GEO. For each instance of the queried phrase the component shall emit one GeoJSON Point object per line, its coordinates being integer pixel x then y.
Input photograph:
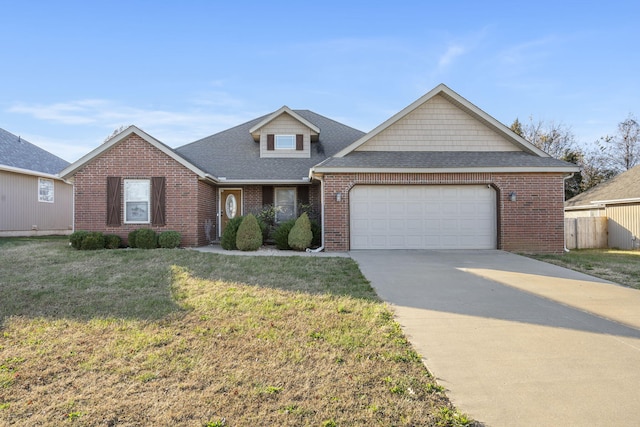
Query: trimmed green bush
{"type": "Point", "coordinates": [92, 241]}
{"type": "Point", "coordinates": [169, 239]}
{"type": "Point", "coordinates": [228, 240]}
{"type": "Point", "coordinates": [281, 235]}
{"type": "Point", "coordinates": [131, 238]}
{"type": "Point", "coordinates": [146, 239]}
{"type": "Point", "coordinates": [249, 235]}
{"type": "Point", "coordinates": [112, 241]}
{"type": "Point", "coordinates": [300, 235]}
{"type": "Point", "coordinates": [76, 238]}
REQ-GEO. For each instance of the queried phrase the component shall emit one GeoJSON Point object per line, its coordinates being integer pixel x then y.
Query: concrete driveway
{"type": "Point", "coordinates": [516, 342]}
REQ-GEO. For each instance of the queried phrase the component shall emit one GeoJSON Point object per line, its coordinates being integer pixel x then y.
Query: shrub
{"type": "Point", "coordinates": [249, 235]}
{"type": "Point", "coordinates": [267, 220]}
{"type": "Point", "coordinates": [146, 239]}
{"type": "Point", "coordinates": [131, 238]}
{"type": "Point", "coordinates": [228, 240]}
{"type": "Point", "coordinates": [92, 241]}
{"type": "Point", "coordinates": [112, 241]}
{"type": "Point", "coordinates": [76, 238]}
{"type": "Point", "coordinates": [169, 239]}
{"type": "Point", "coordinates": [316, 230]}
{"type": "Point", "coordinates": [300, 235]}
{"type": "Point", "coordinates": [281, 235]}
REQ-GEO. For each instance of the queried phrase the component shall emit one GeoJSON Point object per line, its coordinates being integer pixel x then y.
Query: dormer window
{"type": "Point", "coordinates": [285, 142]}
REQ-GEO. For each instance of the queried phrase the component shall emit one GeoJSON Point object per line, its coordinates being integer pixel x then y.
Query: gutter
{"type": "Point", "coordinates": [222, 181]}
{"type": "Point", "coordinates": [460, 169]}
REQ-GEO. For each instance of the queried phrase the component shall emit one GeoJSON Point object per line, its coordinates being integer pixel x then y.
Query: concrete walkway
{"type": "Point", "coordinates": [517, 342]}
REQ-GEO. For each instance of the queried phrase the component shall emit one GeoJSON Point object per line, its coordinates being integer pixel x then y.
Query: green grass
{"type": "Point", "coordinates": [622, 267]}
{"type": "Point", "coordinates": [179, 337]}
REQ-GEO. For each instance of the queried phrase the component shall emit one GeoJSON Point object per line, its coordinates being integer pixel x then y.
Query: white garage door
{"type": "Point", "coordinates": [423, 217]}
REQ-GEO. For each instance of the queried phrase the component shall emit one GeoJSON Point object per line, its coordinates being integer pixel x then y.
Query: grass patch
{"type": "Point", "coordinates": [179, 337]}
{"type": "Point", "coordinates": [622, 267]}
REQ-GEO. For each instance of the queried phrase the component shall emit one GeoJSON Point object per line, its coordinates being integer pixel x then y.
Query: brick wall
{"type": "Point", "coordinates": [533, 223]}
{"type": "Point", "coordinates": [207, 208]}
{"type": "Point", "coordinates": [188, 201]}
{"type": "Point", "coordinates": [252, 199]}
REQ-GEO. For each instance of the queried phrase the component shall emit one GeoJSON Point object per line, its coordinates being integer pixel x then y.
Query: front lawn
{"type": "Point", "coordinates": [172, 337]}
{"type": "Point", "coordinates": [622, 267]}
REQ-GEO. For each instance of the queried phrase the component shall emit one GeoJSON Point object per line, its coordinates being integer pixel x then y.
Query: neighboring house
{"type": "Point", "coordinates": [440, 174]}
{"type": "Point", "coordinates": [618, 200]}
{"type": "Point", "coordinates": [33, 199]}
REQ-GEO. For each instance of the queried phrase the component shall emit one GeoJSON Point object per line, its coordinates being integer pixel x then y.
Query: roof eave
{"type": "Point", "coordinates": [500, 169]}
{"type": "Point", "coordinates": [225, 181]}
{"type": "Point", "coordinates": [30, 172]}
{"type": "Point", "coordinates": [582, 207]}
{"type": "Point", "coordinates": [280, 111]}
{"type": "Point", "coordinates": [617, 201]}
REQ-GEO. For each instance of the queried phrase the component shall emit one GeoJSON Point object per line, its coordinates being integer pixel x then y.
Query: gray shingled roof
{"type": "Point", "coordinates": [234, 154]}
{"type": "Point", "coordinates": [18, 153]}
{"type": "Point", "coordinates": [620, 187]}
{"type": "Point", "coordinates": [443, 159]}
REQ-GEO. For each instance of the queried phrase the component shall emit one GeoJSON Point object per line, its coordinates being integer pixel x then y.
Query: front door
{"type": "Point", "coordinates": [230, 206]}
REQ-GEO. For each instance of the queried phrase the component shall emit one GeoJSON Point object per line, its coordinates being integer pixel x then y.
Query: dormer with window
{"type": "Point", "coordinates": [285, 134]}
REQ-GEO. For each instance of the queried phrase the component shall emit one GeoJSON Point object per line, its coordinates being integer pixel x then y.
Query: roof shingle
{"type": "Point", "coordinates": [623, 186]}
{"type": "Point", "coordinates": [234, 155]}
{"type": "Point", "coordinates": [18, 153]}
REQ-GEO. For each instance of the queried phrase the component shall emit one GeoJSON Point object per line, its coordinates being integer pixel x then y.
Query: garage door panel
{"type": "Point", "coordinates": [423, 217]}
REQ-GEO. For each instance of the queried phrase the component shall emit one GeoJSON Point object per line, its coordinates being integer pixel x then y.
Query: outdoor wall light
{"type": "Point", "coordinates": [512, 196]}
{"type": "Point", "coordinates": [338, 197]}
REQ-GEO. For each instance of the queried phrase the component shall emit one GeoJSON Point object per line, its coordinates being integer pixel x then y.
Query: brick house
{"type": "Point", "coordinates": [440, 174]}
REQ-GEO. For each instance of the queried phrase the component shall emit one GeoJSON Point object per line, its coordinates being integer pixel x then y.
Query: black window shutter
{"type": "Point", "coordinates": [114, 201]}
{"type": "Point", "coordinates": [299, 142]}
{"type": "Point", "coordinates": [271, 142]}
{"type": "Point", "coordinates": [267, 195]}
{"type": "Point", "coordinates": [303, 195]}
{"type": "Point", "coordinates": [158, 216]}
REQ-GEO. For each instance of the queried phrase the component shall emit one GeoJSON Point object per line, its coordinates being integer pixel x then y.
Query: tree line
{"type": "Point", "coordinates": [609, 156]}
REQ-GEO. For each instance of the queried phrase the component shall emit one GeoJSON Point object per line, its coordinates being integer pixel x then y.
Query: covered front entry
{"type": "Point", "coordinates": [423, 217]}
{"type": "Point", "coordinates": [230, 206]}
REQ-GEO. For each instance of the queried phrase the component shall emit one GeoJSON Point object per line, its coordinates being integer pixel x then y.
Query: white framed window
{"type": "Point", "coordinates": [285, 203]}
{"type": "Point", "coordinates": [45, 190]}
{"type": "Point", "coordinates": [285, 142]}
{"type": "Point", "coordinates": [137, 201]}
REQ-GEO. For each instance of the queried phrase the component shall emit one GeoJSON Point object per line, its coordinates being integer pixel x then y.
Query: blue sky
{"type": "Point", "coordinates": [71, 72]}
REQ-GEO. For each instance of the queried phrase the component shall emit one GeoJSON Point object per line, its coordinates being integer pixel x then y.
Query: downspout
{"type": "Point", "coordinates": [321, 248]}
{"type": "Point", "coordinates": [564, 234]}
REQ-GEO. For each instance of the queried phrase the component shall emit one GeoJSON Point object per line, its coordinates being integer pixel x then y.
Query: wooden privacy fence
{"type": "Point", "coordinates": [586, 233]}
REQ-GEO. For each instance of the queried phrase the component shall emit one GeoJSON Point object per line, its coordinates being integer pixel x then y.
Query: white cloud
{"type": "Point", "coordinates": [453, 52]}
{"type": "Point", "coordinates": [76, 127]}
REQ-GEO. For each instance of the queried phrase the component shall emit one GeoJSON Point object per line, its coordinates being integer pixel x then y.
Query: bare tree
{"type": "Point", "coordinates": [594, 170]}
{"type": "Point", "coordinates": [555, 139]}
{"type": "Point", "coordinates": [621, 151]}
{"type": "Point", "coordinates": [116, 132]}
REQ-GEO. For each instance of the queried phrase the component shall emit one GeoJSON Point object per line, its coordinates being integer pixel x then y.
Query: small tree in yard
{"type": "Point", "coordinates": [300, 236]}
{"type": "Point", "coordinates": [249, 237]}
